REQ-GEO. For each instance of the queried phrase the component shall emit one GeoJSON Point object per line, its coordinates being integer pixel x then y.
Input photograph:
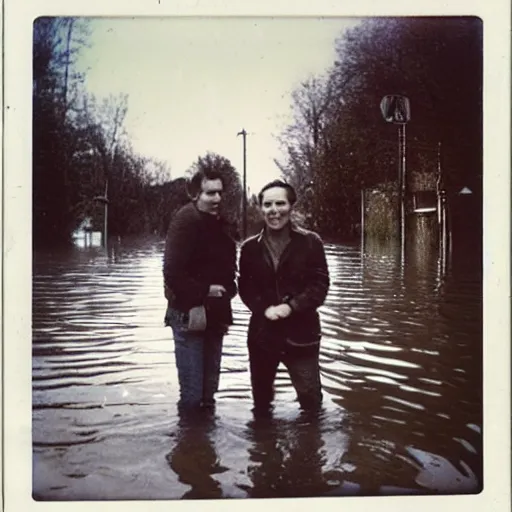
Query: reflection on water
{"type": "Point", "coordinates": [401, 369]}
{"type": "Point", "coordinates": [194, 459]}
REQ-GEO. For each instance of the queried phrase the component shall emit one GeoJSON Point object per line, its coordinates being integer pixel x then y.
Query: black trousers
{"type": "Point", "coordinates": [302, 365]}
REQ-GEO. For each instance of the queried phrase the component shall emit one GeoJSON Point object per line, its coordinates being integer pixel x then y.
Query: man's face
{"type": "Point", "coordinates": [210, 196]}
{"type": "Point", "coordinates": [275, 208]}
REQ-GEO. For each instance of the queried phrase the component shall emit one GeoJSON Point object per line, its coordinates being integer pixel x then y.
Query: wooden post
{"type": "Point", "coordinates": [363, 212]}
{"type": "Point", "coordinates": [444, 229]}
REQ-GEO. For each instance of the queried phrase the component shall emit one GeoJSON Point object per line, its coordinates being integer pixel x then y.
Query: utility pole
{"type": "Point", "coordinates": [104, 199]}
{"type": "Point", "coordinates": [105, 228]}
{"type": "Point", "coordinates": [243, 133]}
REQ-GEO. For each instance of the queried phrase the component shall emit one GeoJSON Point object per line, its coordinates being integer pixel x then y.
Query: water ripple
{"type": "Point", "coordinates": [400, 356]}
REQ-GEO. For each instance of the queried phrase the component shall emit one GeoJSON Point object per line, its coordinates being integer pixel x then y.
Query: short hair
{"type": "Point", "coordinates": [196, 181]}
{"type": "Point", "coordinates": [290, 191]}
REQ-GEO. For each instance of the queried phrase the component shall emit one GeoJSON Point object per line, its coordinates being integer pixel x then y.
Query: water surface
{"type": "Point", "coordinates": [401, 370]}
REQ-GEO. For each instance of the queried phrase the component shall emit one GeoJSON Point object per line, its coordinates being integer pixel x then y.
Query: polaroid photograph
{"type": "Point", "coordinates": [256, 253]}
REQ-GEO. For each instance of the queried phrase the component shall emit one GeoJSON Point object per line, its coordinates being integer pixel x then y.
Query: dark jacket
{"type": "Point", "coordinates": [301, 279]}
{"type": "Point", "coordinates": [198, 253]}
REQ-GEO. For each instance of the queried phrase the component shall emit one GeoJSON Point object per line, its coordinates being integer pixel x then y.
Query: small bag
{"type": "Point", "coordinates": [197, 319]}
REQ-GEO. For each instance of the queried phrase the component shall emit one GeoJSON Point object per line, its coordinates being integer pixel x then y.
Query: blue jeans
{"type": "Point", "coordinates": [198, 356]}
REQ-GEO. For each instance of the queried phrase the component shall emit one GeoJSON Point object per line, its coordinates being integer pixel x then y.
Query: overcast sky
{"type": "Point", "coordinates": [194, 83]}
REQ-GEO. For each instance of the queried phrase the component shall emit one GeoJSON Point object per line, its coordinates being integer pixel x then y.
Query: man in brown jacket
{"type": "Point", "coordinates": [283, 280]}
{"type": "Point", "coordinates": [199, 276]}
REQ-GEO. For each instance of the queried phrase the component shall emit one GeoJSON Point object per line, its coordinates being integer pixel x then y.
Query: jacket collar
{"type": "Point", "coordinates": [294, 234]}
{"type": "Point", "coordinates": [207, 215]}
{"type": "Point", "coordinates": [294, 231]}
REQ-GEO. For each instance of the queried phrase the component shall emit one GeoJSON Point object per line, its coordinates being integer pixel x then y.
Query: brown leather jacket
{"type": "Point", "coordinates": [301, 279]}
{"type": "Point", "coordinates": [199, 252]}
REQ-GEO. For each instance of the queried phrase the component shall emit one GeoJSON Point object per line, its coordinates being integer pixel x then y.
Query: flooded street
{"type": "Point", "coordinates": [401, 360]}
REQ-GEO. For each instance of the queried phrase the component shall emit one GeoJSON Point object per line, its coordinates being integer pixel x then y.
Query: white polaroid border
{"type": "Point", "coordinates": [17, 249]}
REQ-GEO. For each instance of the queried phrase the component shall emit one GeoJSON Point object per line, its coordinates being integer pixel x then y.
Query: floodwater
{"type": "Point", "coordinates": [401, 365]}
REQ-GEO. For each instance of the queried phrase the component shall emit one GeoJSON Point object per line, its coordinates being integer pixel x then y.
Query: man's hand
{"type": "Point", "coordinates": [277, 312]}
{"type": "Point", "coordinates": [283, 310]}
{"type": "Point", "coordinates": [216, 290]}
{"type": "Point", "coordinates": [270, 313]}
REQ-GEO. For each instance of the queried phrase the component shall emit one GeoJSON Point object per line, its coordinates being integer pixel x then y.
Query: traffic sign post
{"type": "Point", "coordinates": [396, 109]}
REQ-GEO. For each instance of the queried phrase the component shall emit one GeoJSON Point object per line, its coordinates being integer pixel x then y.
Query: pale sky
{"type": "Point", "coordinates": [194, 83]}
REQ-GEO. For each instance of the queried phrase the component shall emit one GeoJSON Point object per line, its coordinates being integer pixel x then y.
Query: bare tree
{"type": "Point", "coordinates": [303, 138]}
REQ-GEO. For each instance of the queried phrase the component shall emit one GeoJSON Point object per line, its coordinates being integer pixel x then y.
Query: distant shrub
{"type": "Point", "coordinates": [381, 217]}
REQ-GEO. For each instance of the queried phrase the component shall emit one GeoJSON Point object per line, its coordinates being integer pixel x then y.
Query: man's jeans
{"type": "Point", "coordinates": [198, 356]}
{"type": "Point", "coordinates": [304, 371]}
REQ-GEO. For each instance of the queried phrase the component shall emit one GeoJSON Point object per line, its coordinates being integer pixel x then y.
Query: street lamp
{"type": "Point", "coordinates": [104, 200]}
{"type": "Point", "coordinates": [243, 133]}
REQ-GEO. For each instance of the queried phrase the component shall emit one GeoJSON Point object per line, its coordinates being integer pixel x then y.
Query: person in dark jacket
{"type": "Point", "coordinates": [200, 281]}
{"type": "Point", "coordinates": [283, 280]}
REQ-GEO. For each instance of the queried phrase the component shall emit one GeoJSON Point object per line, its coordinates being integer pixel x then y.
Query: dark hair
{"type": "Point", "coordinates": [290, 191]}
{"type": "Point", "coordinates": [196, 181]}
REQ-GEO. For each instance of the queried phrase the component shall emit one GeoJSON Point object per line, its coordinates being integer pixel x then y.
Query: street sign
{"type": "Point", "coordinates": [396, 108]}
